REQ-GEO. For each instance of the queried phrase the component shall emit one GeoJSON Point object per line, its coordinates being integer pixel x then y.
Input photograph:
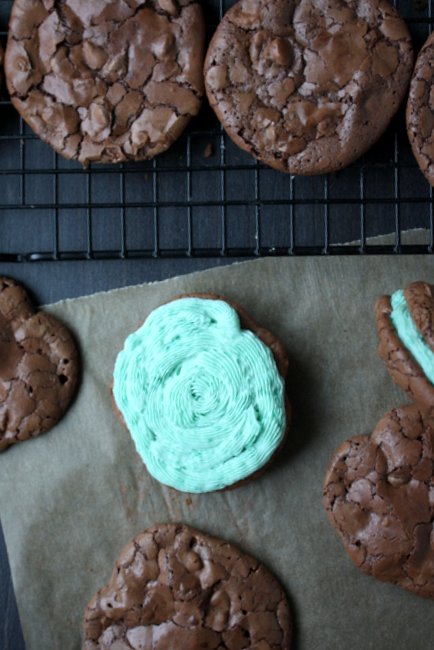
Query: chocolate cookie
{"type": "Point", "coordinates": [420, 110]}
{"type": "Point", "coordinates": [38, 367]}
{"type": "Point", "coordinates": [201, 388]}
{"type": "Point", "coordinates": [174, 587]}
{"type": "Point", "coordinates": [378, 495]}
{"type": "Point", "coordinates": [405, 325]}
{"type": "Point", "coordinates": [106, 80]}
{"type": "Point", "coordinates": [306, 86]}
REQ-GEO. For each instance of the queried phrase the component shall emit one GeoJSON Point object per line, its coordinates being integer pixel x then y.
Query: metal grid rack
{"type": "Point", "coordinates": [205, 197]}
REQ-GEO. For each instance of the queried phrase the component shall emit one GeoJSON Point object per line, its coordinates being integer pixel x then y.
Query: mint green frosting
{"type": "Point", "coordinates": [202, 398]}
{"type": "Point", "coordinates": [410, 336]}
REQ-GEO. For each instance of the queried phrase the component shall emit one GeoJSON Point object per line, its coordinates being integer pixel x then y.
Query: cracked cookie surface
{"type": "Point", "coordinates": [420, 110]}
{"type": "Point", "coordinates": [379, 495]}
{"type": "Point", "coordinates": [307, 86]}
{"type": "Point", "coordinates": [38, 367]}
{"type": "Point", "coordinates": [403, 368]}
{"type": "Point", "coordinates": [106, 80]}
{"type": "Point", "coordinates": [174, 587]}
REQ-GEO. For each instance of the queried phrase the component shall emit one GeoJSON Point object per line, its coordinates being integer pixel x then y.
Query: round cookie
{"type": "Point", "coordinates": [420, 110]}
{"type": "Point", "coordinates": [308, 86]}
{"type": "Point", "coordinates": [201, 389]}
{"type": "Point", "coordinates": [174, 587]}
{"type": "Point", "coordinates": [405, 326]}
{"type": "Point", "coordinates": [106, 80]}
{"type": "Point", "coordinates": [38, 367]}
{"type": "Point", "coordinates": [378, 496]}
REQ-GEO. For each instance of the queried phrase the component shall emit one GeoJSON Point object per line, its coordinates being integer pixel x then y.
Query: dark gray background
{"type": "Point", "coordinates": [185, 212]}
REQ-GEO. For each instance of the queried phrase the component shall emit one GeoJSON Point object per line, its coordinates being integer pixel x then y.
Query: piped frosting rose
{"type": "Point", "coordinates": [202, 397]}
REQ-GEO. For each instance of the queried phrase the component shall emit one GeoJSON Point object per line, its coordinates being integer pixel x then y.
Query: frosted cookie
{"type": "Point", "coordinates": [378, 495]}
{"type": "Point", "coordinates": [106, 80]}
{"type": "Point", "coordinates": [174, 587]}
{"type": "Point", "coordinates": [420, 110]}
{"type": "Point", "coordinates": [201, 388]}
{"type": "Point", "coordinates": [308, 86]}
{"type": "Point", "coordinates": [405, 325]}
{"type": "Point", "coordinates": [38, 367]}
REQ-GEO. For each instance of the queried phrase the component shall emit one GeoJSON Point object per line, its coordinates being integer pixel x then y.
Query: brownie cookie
{"type": "Point", "coordinates": [308, 86]}
{"type": "Point", "coordinates": [420, 110]}
{"type": "Point", "coordinates": [38, 367]}
{"type": "Point", "coordinates": [107, 80]}
{"type": "Point", "coordinates": [201, 388]}
{"type": "Point", "coordinates": [378, 495]}
{"type": "Point", "coordinates": [174, 587]}
{"type": "Point", "coordinates": [405, 325]}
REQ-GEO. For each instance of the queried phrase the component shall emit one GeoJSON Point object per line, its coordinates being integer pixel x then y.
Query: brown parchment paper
{"type": "Point", "coordinates": [72, 498]}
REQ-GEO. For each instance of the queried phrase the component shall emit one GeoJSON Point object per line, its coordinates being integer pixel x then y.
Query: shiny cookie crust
{"type": "Point", "coordinates": [420, 110]}
{"type": "Point", "coordinates": [307, 87]}
{"type": "Point", "coordinates": [106, 81]}
{"type": "Point", "coordinates": [38, 367]}
{"type": "Point", "coordinates": [173, 586]}
{"type": "Point", "coordinates": [378, 494]}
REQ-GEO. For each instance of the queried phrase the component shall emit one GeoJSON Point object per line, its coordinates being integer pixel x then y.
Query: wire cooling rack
{"type": "Point", "coordinates": [207, 198]}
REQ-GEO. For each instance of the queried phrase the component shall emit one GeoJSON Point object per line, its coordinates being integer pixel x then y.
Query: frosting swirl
{"type": "Point", "coordinates": [410, 336]}
{"type": "Point", "coordinates": [202, 398]}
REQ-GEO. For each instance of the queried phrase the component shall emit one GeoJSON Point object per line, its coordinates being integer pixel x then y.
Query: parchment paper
{"type": "Point", "coordinates": [71, 499]}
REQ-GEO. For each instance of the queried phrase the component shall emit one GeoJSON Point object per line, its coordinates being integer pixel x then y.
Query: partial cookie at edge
{"type": "Point", "coordinates": [38, 367]}
{"type": "Point", "coordinates": [378, 497]}
{"type": "Point", "coordinates": [401, 365]}
{"type": "Point", "coordinates": [172, 582]}
{"type": "Point", "coordinates": [420, 110]}
{"type": "Point", "coordinates": [1, 66]}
